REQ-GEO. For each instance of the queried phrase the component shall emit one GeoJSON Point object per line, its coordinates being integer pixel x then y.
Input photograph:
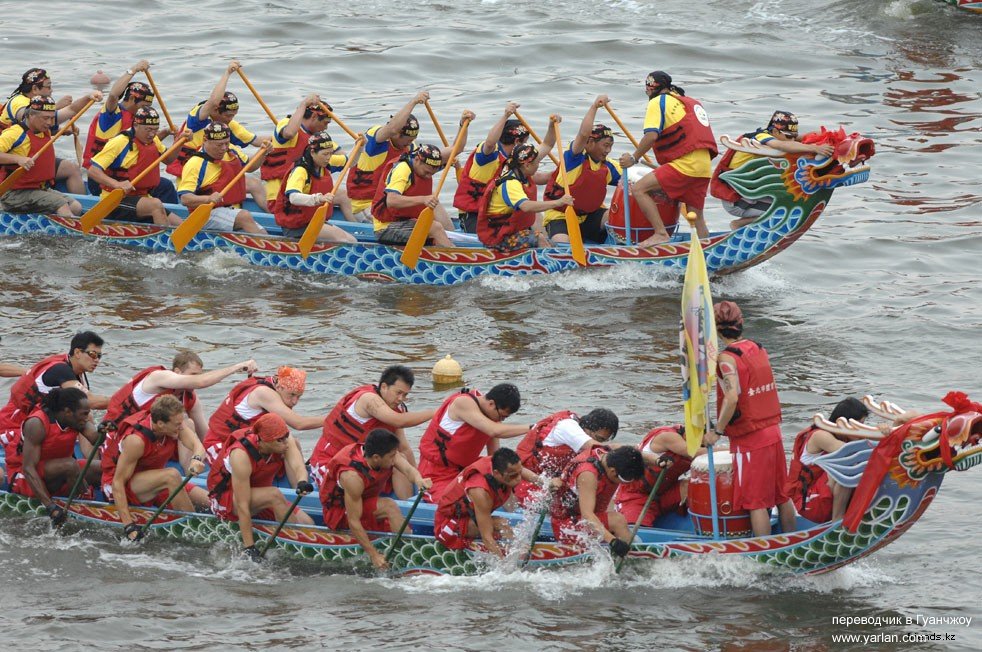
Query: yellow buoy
{"type": "Point", "coordinates": [447, 372]}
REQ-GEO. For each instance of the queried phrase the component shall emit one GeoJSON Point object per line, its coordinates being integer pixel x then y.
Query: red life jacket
{"type": "Point", "coordinates": [340, 430]}
{"type": "Point", "coordinates": [758, 405]}
{"type": "Point", "coordinates": [457, 449]}
{"type": "Point", "coordinates": [122, 404]}
{"type": "Point", "coordinates": [454, 503]}
{"type": "Point", "coordinates": [157, 450]}
{"type": "Point", "coordinates": [145, 156]}
{"type": "Point", "coordinates": [686, 135]}
{"type": "Point", "coordinates": [176, 167]}
{"type": "Point", "coordinates": [352, 458]}
{"type": "Point", "coordinates": [25, 395]}
{"type": "Point", "coordinates": [280, 159]}
{"type": "Point", "coordinates": [808, 484]}
{"type": "Point", "coordinates": [588, 191]}
{"type": "Point", "coordinates": [362, 183]}
{"type": "Point", "coordinates": [58, 443]}
{"type": "Point", "coordinates": [42, 175]}
{"type": "Point", "coordinates": [470, 191]}
{"type": "Point", "coordinates": [540, 458]}
{"type": "Point", "coordinates": [94, 144]}
{"type": "Point", "coordinates": [492, 229]}
{"type": "Point", "coordinates": [297, 217]}
{"type": "Point", "coordinates": [226, 419]}
{"type": "Point", "coordinates": [566, 506]}
{"type": "Point", "coordinates": [719, 188]}
{"type": "Point", "coordinates": [265, 469]}
{"type": "Point", "coordinates": [417, 188]}
{"type": "Point", "coordinates": [230, 168]}
{"type": "Point", "coordinates": [680, 465]}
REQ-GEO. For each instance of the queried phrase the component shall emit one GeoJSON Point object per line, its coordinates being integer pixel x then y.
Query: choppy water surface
{"type": "Point", "coordinates": [880, 297]}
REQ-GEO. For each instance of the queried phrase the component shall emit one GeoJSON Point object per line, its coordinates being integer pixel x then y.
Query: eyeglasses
{"type": "Point", "coordinates": [501, 417]}
{"type": "Point", "coordinates": [95, 355]}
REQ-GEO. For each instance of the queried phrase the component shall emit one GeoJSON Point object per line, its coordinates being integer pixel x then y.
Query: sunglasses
{"type": "Point", "coordinates": [95, 355]}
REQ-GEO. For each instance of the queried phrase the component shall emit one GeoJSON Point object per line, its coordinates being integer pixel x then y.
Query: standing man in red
{"type": "Point", "coordinates": [750, 415]}
{"type": "Point", "coordinates": [464, 509]}
{"type": "Point", "coordinates": [677, 129]}
{"type": "Point", "coordinates": [240, 483]}
{"type": "Point", "coordinates": [365, 409]}
{"type": "Point", "coordinates": [466, 423]}
{"type": "Point", "coordinates": [134, 468]}
{"type": "Point", "coordinates": [352, 482]}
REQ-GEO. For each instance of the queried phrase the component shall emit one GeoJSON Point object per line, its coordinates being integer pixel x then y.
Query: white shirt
{"type": "Point", "coordinates": [569, 433]}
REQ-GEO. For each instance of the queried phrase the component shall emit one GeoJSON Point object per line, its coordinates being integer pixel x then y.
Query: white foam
{"type": "Point", "coordinates": [621, 277]}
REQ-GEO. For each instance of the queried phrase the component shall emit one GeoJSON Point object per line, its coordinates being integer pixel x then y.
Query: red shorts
{"type": "Point", "coordinates": [632, 505]}
{"type": "Point", "coordinates": [19, 485]}
{"type": "Point", "coordinates": [761, 476]}
{"type": "Point", "coordinates": [132, 500]}
{"type": "Point", "coordinates": [571, 532]}
{"type": "Point", "coordinates": [683, 188]}
{"type": "Point", "coordinates": [441, 477]}
{"type": "Point", "coordinates": [452, 532]}
{"type": "Point", "coordinates": [336, 517]}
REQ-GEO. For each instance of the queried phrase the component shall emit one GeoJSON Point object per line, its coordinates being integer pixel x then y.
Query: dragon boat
{"type": "Point", "coordinates": [895, 483]}
{"type": "Point", "coordinates": [799, 185]}
{"type": "Point", "coordinates": [974, 6]}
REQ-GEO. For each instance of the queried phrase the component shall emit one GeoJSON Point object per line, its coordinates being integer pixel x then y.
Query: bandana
{"type": "Point", "coordinates": [146, 116]}
{"type": "Point", "coordinates": [524, 153]}
{"type": "Point", "coordinates": [291, 379]}
{"type": "Point", "coordinates": [321, 140]}
{"type": "Point", "coordinates": [270, 427]}
{"type": "Point", "coordinates": [513, 132]}
{"type": "Point", "coordinates": [42, 103]}
{"type": "Point", "coordinates": [411, 128]}
{"type": "Point", "coordinates": [430, 154]}
{"type": "Point", "coordinates": [216, 131]}
{"type": "Point", "coordinates": [138, 91]}
{"type": "Point", "coordinates": [784, 121]}
{"type": "Point", "coordinates": [34, 76]}
{"type": "Point", "coordinates": [601, 131]}
{"type": "Point", "coordinates": [229, 102]}
{"type": "Point", "coordinates": [728, 313]}
{"type": "Point", "coordinates": [658, 79]}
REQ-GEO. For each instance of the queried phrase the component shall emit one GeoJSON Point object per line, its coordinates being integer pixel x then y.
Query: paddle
{"type": "Point", "coordinates": [572, 221]}
{"type": "Point", "coordinates": [637, 524]}
{"type": "Point", "coordinates": [333, 116]}
{"type": "Point", "coordinates": [181, 235]}
{"type": "Point", "coordinates": [627, 133]}
{"type": "Point", "coordinates": [276, 532]}
{"type": "Point", "coordinates": [535, 535]}
{"type": "Point", "coordinates": [110, 202]}
{"type": "Point", "coordinates": [160, 100]}
{"type": "Point", "coordinates": [19, 171]}
{"type": "Point", "coordinates": [535, 136]}
{"type": "Point", "coordinates": [412, 510]}
{"type": "Point", "coordinates": [443, 137]}
{"type": "Point", "coordinates": [309, 236]}
{"type": "Point", "coordinates": [256, 95]}
{"type": "Point", "coordinates": [410, 255]}
{"type": "Point", "coordinates": [163, 506]}
{"type": "Point", "coordinates": [85, 469]}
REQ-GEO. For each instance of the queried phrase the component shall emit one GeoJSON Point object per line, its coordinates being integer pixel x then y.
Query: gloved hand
{"type": "Point", "coordinates": [57, 514]}
{"type": "Point", "coordinates": [304, 487]}
{"type": "Point", "coordinates": [133, 532]}
{"type": "Point", "coordinates": [252, 552]}
{"type": "Point", "coordinates": [619, 548]}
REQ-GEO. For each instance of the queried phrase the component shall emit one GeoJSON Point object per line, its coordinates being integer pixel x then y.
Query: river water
{"type": "Point", "coordinates": [880, 297]}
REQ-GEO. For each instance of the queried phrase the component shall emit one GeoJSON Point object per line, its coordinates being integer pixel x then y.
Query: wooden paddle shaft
{"type": "Point", "coordinates": [436, 124]}
{"type": "Point", "coordinates": [245, 168]}
{"type": "Point", "coordinates": [518, 116]}
{"type": "Point", "coordinates": [627, 133]}
{"type": "Point", "coordinates": [457, 146]}
{"type": "Point", "coordinates": [170, 150]}
{"type": "Point", "coordinates": [160, 100]}
{"type": "Point", "coordinates": [259, 99]}
{"type": "Point", "coordinates": [339, 122]}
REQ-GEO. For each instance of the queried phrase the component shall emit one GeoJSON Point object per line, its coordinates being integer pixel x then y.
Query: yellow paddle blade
{"type": "Point", "coordinates": [410, 255]}
{"type": "Point", "coordinates": [182, 235]}
{"type": "Point", "coordinates": [575, 237]}
{"type": "Point", "coordinates": [313, 229]}
{"type": "Point", "coordinates": [11, 180]}
{"type": "Point", "coordinates": [100, 211]}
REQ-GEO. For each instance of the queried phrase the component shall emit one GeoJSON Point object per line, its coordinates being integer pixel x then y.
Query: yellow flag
{"type": "Point", "coordinates": [698, 347]}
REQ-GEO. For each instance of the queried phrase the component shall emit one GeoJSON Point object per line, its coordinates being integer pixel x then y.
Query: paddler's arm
{"type": "Point", "coordinates": [481, 501]}
{"type": "Point", "coordinates": [586, 486]}
{"type": "Point", "coordinates": [412, 473]}
{"type": "Point", "coordinates": [8, 370]}
{"type": "Point", "coordinates": [69, 111]}
{"type": "Point", "coordinates": [130, 451]}
{"type": "Point", "coordinates": [354, 488]}
{"type": "Point", "coordinates": [586, 126]}
{"type": "Point", "coordinates": [729, 381]}
{"type": "Point", "coordinates": [242, 493]}
{"type": "Point", "coordinates": [33, 438]}
{"type": "Point", "coordinates": [217, 93]}
{"type": "Point", "coordinates": [395, 124]}
{"type": "Point", "coordinates": [490, 145]}
{"type": "Point", "coordinates": [465, 409]}
{"type": "Point", "coordinates": [117, 90]}
{"type": "Point", "coordinates": [193, 444]}
{"type": "Point", "coordinates": [447, 151]}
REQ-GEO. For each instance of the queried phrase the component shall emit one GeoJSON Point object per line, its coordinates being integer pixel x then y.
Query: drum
{"type": "Point", "coordinates": [640, 228]}
{"type": "Point", "coordinates": [732, 523]}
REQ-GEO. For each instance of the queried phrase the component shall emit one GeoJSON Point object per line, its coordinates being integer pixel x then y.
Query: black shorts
{"type": "Point", "coordinates": [293, 233]}
{"type": "Point", "coordinates": [592, 227]}
{"type": "Point", "coordinates": [126, 211]}
{"type": "Point", "coordinates": [396, 233]}
{"type": "Point", "coordinates": [468, 222]}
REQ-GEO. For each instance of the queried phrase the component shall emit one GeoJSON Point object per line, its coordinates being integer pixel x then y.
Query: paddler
{"type": "Point", "coordinates": [240, 483]}
{"type": "Point", "coordinates": [467, 422]}
{"type": "Point", "coordinates": [676, 129]}
{"type": "Point", "coordinates": [367, 408]}
{"type": "Point", "coordinates": [352, 483]}
{"type": "Point", "coordinates": [134, 462]}
{"type": "Point", "coordinates": [781, 133]}
{"type": "Point", "coordinates": [34, 191]}
{"type": "Point", "coordinates": [589, 171]}
{"type": "Point", "coordinates": [407, 191]}
{"type": "Point", "coordinates": [41, 460]}
{"type": "Point", "coordinates": [464, 510]}
{"type": "Point", "coordinates": [123, 158]}
{"type": "Point", "coordinates": [207, 173]}
{"type": "Point", "coordinates": [309, 185]}
{"type": "Point", "coordinates": [750, 416]}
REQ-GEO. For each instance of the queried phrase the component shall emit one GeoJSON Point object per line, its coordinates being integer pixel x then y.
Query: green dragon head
{"type": "Point", "coordinates": [939, 444]}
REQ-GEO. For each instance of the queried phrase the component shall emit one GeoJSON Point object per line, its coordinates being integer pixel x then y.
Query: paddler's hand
{"type": "Point", "coordinates": [215, 197]}
{"type": "Point", "coordinates": [511, 108]}
{"type": "Point", "coordinates": [133, 532]}
{"type": "Point", "coordinates": [710, 438]}
{"type": "Point", "coordinates": [233, 66]}
{"type": "Point", "coordinates": [432, 202]}
{"type": "Point", "coordinates": [823, 150]}
{"type": "Point", "coordinates": [141, 66]}
{"type": "Point", "coordinates": [25, 162]}
{"type": "Point", "coordinates": [264, 142]}
{"type": "Point", "coordinates": [304, 488]}
{"type": "Point", "coordinates": [95, 95]}
{"type": "Point", "coordinates": [379, 561]}
{"type": "Point", "coordinates": [196, 466]}
{"type": "Point", "coordinates": [421, 97]}
{"type": "Point", "coordinates": [125, 186]}
{"type": "Point", "coordinates": [252, 552]}
{"type": "Point", "coordinates": [57, 514]}
{"type": "Point", "coordinates": [249, 367]}
{"type": "Point", "coordinates": [627, 160]}
{"type": "Point", "coordinates": [601, 100]}
{"type": "Point", "coordinates": [664, 461]}
{"type": "Point", "coordinates": [555, 484]}
{"type": "Point", "coordinates": [424, 483]}
{"type": "Point", "coordinates": [467, 116]}
{"type": "Point", "coordinates": [555, 119]}
{"type": "Point", "coordinates": [619, 548]}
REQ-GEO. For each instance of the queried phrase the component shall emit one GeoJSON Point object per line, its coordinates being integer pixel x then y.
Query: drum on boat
{"type": "Point", "coordinates": [732, 523]}
{"type": "Point", "coordinates": [640, 228]}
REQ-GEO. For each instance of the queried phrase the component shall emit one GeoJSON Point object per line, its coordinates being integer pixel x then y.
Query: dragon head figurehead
{"type": "Point", "coordinates": [941, 443]}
